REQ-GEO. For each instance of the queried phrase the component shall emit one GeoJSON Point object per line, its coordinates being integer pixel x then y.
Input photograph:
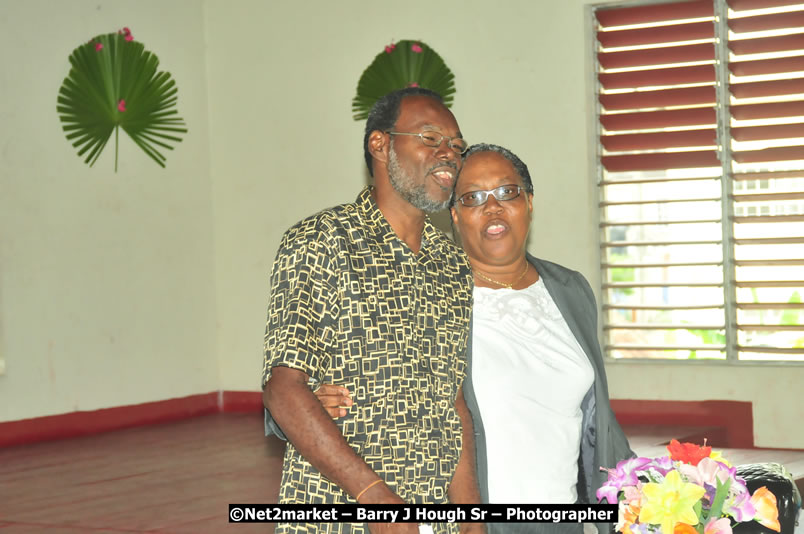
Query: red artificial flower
{"type": "Point", "coordinates": [389, 48]}
{"type": "Point", "coordinates": [98, 47]}
{"type": "Point", "coordinates": [121, 106]}
{"type": "Point", "coordinates": [688, 452]}
{"type": "Point", "coordinates": [416, 48]}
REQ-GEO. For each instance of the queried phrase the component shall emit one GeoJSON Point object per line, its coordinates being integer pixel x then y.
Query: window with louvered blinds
{"type": "Point", "coordinates": [701, 178]}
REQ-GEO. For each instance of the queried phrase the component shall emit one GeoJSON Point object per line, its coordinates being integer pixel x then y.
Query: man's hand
{"type": "Point", "coordinates": [334, 399]}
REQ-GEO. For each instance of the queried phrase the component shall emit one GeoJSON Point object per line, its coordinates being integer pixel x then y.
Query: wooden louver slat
{"type": "Point", "coordinates": [764, 45]}
{"type": "Point", "coordinates": [658, 77]}
{"type": "Point", "coordinates": [746, 5]}
{"type": "Point", "coordinates": [675, 33]}
{"type": "Point", "coordinates": [769, 110]}
{"type": "Point", "coordinates": [767, 88]}
{"type": "Point", "coordinates": [654, 13]}
{"type": "Point", "coordinates": [788, 153]}
{"type": "Point", "coordinates": [767, 66]}
{"type": "Point", "coordinates": [657, 56]}
{"type": "Point", "coordinates": [762, 133]}
{"type": "Point", "coordinates": [659, 140]}
{"type": "Point", "coordinates": [685, 96]}
{"type": "Point", "coordinates": [673, 160]}
{"type": "Point", "coordinates": [672, 118]}
{"type": "Point", "coordinates": [776, 21]}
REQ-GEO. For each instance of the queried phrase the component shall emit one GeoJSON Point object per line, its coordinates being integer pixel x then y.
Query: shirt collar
{"type": "Point", "coordinates": [379, 226]}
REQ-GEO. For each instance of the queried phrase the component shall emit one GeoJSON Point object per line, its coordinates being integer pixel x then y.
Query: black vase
{"type": "Point", "coordinates": [788, 500]}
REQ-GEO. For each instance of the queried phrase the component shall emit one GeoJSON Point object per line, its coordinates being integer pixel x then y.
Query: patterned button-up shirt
{"type": "Point", "coordinates": [352, 305]}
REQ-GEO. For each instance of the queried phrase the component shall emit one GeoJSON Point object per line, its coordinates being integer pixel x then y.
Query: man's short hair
{"type": "Point", "coordinates": [519, 165]}
{"type": "Point", "coordinates": [385, 112]}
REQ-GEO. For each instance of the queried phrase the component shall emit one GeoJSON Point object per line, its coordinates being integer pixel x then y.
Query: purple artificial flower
{"type": "Point", "coordinates": [662, 465]}
{"type": "Point", "coordinates": [609, 492]}
{"type": "Point", "coordinates": [623, 475]}
{"type": "Point", "coordinates": [738, 503]}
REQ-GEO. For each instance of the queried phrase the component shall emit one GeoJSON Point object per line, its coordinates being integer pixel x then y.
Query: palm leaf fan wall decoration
{"type": "Point", "coordinates": [114, 83]}
{"type": "Point", "coordinates": [404, 64]}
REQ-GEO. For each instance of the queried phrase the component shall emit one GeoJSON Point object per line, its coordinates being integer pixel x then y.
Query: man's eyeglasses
{"type": "Point", "coordinates": [434, 139]}
{"type": "Point", "coordinates": [478, 198]}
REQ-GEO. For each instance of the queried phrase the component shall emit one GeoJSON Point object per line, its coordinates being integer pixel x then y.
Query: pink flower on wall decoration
{"type": "Point", "coordinates": [389, 48]}
{"type": "Point", "coordinates": [416, 48]}
{"type": "Point", "coordinates": [98, 47]}
{"type": "Point", "coordinates": [413, 84]}
{"type": "Point", "coordinates": [121, 106]}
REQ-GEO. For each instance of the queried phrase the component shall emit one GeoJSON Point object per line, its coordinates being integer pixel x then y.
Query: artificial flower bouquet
{"type": "Point", "coordinates": [692, 491]}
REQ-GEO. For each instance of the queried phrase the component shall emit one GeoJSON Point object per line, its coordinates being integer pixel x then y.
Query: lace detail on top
{"type": "Point", "coordinates": [523, 306]}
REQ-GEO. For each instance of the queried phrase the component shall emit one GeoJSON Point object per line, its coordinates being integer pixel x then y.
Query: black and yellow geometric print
{"type": "Point", "coordinates": [352, 305]}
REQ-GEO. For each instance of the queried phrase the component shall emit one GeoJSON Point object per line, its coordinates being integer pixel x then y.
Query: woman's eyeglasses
{"type": "Point", "coordinates": [473, 199]}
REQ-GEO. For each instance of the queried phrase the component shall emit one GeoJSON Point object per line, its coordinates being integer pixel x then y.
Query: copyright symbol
{"type": "Point", "coordinates": [236, 514]}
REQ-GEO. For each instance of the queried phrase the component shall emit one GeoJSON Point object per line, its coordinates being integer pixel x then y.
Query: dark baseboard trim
{"type": "Point", "coordinates": [70, 425]}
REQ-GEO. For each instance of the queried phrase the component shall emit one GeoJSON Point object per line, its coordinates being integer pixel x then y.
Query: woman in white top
{"type": "Point", "coordinates": [536, 384]}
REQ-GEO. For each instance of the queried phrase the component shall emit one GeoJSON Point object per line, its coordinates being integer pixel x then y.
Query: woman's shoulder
{"type": "Point", "coordinates": [554, 273]}
{"type": "Point", "coordinates": [552, 269]}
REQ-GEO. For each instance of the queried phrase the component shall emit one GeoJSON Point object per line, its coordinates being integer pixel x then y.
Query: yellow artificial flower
{"type": "Point", "coordinates": [670, 502]}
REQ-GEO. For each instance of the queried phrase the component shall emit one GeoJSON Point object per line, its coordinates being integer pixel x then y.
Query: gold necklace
{"type": "Point", "coordinates": [509, 286]}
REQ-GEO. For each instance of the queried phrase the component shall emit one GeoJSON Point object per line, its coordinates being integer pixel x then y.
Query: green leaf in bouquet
{"type": "Point", "coordinates": [404, 64]}
{"type": "Point", "coordinates": [114, 83]}
{"type": "Point", "coordinates": [721, 493]}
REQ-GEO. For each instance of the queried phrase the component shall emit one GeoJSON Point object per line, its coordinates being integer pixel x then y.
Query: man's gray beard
{"type": "Point", "coordinates": [406, 186]}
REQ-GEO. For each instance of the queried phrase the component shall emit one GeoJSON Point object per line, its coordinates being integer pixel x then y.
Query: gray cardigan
{"type": "Point", "coordinates": [603, 442]}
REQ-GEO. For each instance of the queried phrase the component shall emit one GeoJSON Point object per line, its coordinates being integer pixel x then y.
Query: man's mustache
{"type": "Point", "coordinates": [442, 165]}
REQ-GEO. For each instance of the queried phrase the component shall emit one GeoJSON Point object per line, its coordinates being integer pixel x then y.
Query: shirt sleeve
{"type": "Point", "coordinates": [303, 309]}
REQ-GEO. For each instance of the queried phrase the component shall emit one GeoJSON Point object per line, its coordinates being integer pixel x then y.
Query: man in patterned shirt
{"type": "Point", "coordinates": [372, 297]}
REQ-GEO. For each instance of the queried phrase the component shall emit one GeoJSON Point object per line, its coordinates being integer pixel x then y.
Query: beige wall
{"type": "Point", "coordinates": [279, 76]}
{"type": "Point", "coordinates": [106, 280]}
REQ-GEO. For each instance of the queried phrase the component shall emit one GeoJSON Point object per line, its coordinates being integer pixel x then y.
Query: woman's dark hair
{"type": "Point", "coordinates": [519, 165]}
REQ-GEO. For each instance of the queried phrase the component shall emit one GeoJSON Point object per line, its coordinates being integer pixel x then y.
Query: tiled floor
{"type": "Point", "coordinates": [179, 477]}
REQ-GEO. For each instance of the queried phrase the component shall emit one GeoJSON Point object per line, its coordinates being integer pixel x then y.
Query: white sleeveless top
{"type": "Point", "coordinates": [530, 376]}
